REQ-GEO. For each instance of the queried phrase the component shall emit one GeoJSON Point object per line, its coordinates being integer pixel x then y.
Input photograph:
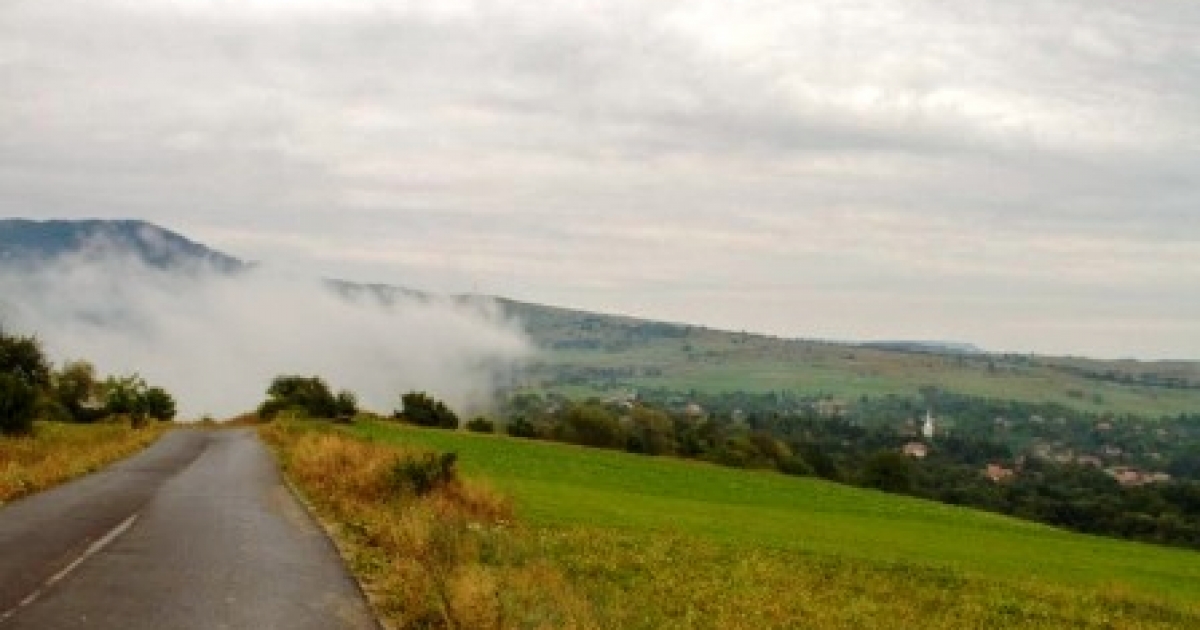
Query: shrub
{"type": "Point", "coordinates": [422, 474]}
{"type": "Point", "coordinates": [795, 465]}
{"type": "Point", "coordinates": [889, 471]}
{"type": "Point", "coordinates": [592, 425]}
{"type": "Point", "coordinates": [481, 425]}
{"type": "Point", "coordinates": [346, 405]}
{"type": "Point", "coordinates": [422, 409]}
{"type": "Point", "coordinates": [521, 428]}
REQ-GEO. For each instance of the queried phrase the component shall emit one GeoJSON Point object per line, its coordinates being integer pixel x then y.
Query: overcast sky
{"type": "Point", "coordinates": [1024, 175]}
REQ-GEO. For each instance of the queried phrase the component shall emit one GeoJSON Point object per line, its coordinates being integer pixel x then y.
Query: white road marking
{"type": "Point", "coordinates": [92, 550]}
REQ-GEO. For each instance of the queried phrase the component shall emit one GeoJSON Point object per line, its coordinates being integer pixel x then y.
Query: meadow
{"type": "Point", "coordinates": [658, 542]}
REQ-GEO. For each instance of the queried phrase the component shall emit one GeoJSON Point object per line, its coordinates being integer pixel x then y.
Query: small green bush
{"type": "Point", "coordinates": [423, 474]}
{"type": "Point", "coordinates": [521, 428]}
{"type": "Point", "coordinates": [422, 409]}
{"type": "Point", "coordinates": [481, 425]}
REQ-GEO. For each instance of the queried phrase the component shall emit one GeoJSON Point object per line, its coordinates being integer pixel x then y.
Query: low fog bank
{"type": "Point", "coordinates": [216, 340]}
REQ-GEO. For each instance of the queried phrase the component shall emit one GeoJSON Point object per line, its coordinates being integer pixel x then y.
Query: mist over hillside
{"type": "Point", "coordinates": [132, 297]}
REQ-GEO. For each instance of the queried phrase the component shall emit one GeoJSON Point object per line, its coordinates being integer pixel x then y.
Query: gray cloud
{"type": "Point", "coordinates": [978, 170]}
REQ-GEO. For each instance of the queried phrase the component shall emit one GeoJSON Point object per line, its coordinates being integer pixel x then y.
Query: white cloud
{"type": "Point", "coordinates": [216, 342]}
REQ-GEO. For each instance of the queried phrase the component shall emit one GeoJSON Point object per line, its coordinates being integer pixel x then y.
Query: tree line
{"type": "Point", "coordinates": [31, 388]}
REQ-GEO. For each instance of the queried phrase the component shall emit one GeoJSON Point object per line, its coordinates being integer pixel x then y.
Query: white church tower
{"type": "Point", "coordinates": [929, 427]}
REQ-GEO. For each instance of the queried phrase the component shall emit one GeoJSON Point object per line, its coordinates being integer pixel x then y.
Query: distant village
{"type": "Point", "coordinates": [1125, 475]}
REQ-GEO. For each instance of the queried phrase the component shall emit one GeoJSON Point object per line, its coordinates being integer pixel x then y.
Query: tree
{"type": "Point", "coordinates": [23, 359]}
{"type": "Point", "coordinates": [76, 389]}
{"type": "Point", "coordinates": [652, 431]}
{"type": "Point", "coordinates": [591, 424]}
{"type": "Point", "coordinates": [481, 425]}
{"type": "Point", "coordinates": [131, 396]}
{"type": "Point", "coordinates": [422, 409]}
{"type": "Point", "coordinates": [890, 471]}
{"type": "Point", "coordinates": [124, 395]}
{"type": "Point", "coordinates": [18, 403]}
{"type": "Point", "coordinates": [24, 373]}
{"type": "Point", "coordinates": [820, 461]}
{"type": "Point", "coordinates": [308, 395]}
{"type": "Point", "coordinates": [158, 404]}
{"type": "Point", "coordinates": [346, 404]}
{"type": "Point", "coordinates": [520, 427]}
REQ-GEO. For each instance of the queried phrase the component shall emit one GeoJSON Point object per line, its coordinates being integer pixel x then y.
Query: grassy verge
{"type": "Point", "coordinates": [431, 550]}
{"type": "Point", "coordinates": [58, 452]}
{"type": "Point", "coordinates": [659, 543]}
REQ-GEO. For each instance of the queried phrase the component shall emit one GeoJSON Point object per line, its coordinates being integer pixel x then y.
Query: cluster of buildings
{"type": "Point", "coordinates": [998, 473]}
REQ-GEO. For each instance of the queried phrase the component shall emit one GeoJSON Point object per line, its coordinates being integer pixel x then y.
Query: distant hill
{"type": "Point", "coordinates": [27, 242]}
{"type": "Point", "coordinates": [593, 354]}
{"type": "Point", "coordinates": [935, 347]}
{"type": "Point", "coordinates": [590, 354]}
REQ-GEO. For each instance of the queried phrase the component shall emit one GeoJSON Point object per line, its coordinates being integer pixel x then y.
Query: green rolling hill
{"type": "Point", "coordinates": [651, 539]}
{"type": "Point", "coordinates": [586, 354]}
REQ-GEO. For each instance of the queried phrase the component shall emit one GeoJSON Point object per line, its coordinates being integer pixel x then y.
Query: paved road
{"type": "Point", "coordinates": [197, 531]}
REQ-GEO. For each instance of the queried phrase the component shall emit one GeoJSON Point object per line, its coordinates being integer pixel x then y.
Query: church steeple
{"type": "Point", "coordinates": [929, 428]}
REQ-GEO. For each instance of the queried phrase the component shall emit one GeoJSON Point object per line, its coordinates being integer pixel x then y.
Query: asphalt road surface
{"type": "Point", "coordinates": [196, 532]}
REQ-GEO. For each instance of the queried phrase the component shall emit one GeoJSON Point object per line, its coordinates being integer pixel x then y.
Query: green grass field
{"type": "Point", "coordinates": [586, 495]}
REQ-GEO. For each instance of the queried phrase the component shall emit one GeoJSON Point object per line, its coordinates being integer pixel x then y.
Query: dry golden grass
{"type": "Point", "coordinates": [449, 558]}
{"type": "Point", "coordinates": [58, 452]}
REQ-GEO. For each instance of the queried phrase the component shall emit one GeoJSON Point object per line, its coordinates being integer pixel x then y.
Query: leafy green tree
{"type": "Point", "coordinates": [18, 404]}
{"type": "Point", "coordinates": [651, 432]}
{"type": "Point", "coordinates": [422, 409]}
{"type": "Point", "coordinates": [77, 390]}
{"type": "Point", "coordinates": [822, 464]}
{"type": "Point", "coordinates": [590, 424]}
{"type": "Point", "coordinates": [124, 395]}
{"type": "Point", "coordinates": [306, 394]}
{"type": "Point", "coordinates": [346, 404]}
{"type": "Point", "coordinates": [158, 404]}
{"type": "Point", "coordinates": [481, 425]}
{"type": "Point", "coordinates": [23, 359]}
{"type": "Point", "coordinates": [890, 471]}
{"type": "Point", "coordinates": [520, 427]}
{"type": "Point", "coordinates": [24, 374]}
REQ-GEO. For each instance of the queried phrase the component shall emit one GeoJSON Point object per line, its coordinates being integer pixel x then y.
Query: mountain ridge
{"type": "Point", "coordinates": [31, 242]}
